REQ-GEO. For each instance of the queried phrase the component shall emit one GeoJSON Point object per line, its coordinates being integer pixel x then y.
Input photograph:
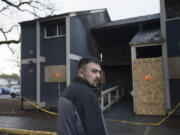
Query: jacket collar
{"type": "Point", "coordinates": [82, 81]}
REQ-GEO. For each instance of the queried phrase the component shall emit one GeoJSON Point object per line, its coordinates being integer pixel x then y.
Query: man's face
{"type": "Point", "coordinates": [91, 73]}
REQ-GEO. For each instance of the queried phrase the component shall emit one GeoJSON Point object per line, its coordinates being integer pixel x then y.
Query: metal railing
{"type": "Point", "coordinates": [111, 98]}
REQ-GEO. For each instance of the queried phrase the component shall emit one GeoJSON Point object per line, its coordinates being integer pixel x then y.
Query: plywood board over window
{"type": "Point", "coordinates": [55, 73]}
{"type": "Point", "coordinates": [149, 94]}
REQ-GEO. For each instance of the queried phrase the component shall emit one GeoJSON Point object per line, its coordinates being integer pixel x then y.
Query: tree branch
{"type": "Point", "coordinates": [33, 7]}
{"type": "Point", "coordinates": [34, 4]}
{"type": "Point", "coordinates": [10, 42]}
{"type": "Point", "coordinates": [17, 5]}
{"type": "Point", "coordinates": [6, 41]}
{"type": "Point", "coordinates": [4, 8]}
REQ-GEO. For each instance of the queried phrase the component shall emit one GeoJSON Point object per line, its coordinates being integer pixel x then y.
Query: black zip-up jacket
{"type": "Point", "coordinates": [79, 111]}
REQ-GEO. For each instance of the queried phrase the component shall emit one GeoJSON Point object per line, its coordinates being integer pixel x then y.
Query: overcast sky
{"type": "Point", "coordinates": [117, 9]}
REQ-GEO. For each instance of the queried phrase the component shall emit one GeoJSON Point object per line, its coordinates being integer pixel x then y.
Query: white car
{"type": "Point", "coordinates": [15, 91]}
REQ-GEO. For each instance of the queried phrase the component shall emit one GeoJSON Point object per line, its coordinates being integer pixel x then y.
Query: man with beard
{"type": "Point", "coordinates": [79, 111]}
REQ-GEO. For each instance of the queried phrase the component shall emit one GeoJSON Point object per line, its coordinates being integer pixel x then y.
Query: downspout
{"type": "Point", "coordinates": [165, 56]}
{"type": "Point", "coordinates": [68, 74]}
{"type": "Point", "coordinates": [38, 63]}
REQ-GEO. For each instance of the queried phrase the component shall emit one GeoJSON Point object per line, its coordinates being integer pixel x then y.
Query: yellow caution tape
{"type": "Point", "coordinates": [25, 132]}
{"type": "Point", "coordinates": [113, 120]}
{"type": "Point", "coordinates": [38, 107]}
{"type": "Point", "coordinates": [33, 132]}
{"type": "Point", "coordinates": [151, 124]}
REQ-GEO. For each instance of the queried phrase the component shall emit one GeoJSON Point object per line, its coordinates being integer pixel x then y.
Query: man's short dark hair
{"type": "Point", "coordinates": [86, 60]}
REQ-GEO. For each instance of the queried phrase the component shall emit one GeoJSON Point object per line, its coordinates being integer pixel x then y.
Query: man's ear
{"type": "Point", "coordinates": [80, 72]}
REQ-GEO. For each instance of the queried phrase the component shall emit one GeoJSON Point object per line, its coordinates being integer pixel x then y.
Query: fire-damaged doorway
{"type": "Point", "coordinates": [114, 43]}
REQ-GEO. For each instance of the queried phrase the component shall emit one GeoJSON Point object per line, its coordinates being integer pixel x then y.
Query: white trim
{"type": "Point", "coordinates": [21, 73]}
{"type": "Point", "coordinates": [173, 19]}
{"type": "Point", "coordinates": [33, 60]}
{"type": "Point", "coordinates": [97, 11]}
{"type": "Point", "coordinates": [51, 19]}
{"type": "Point", "coordinates": [28, 61]}
{"type": "Point", "coordinates": [111, 98]}
{"type": "Point", "coordinates": [72, 14]}
{"type": "Point", "coordinates": [133, 57]}
{"type": "Point", "coordinates": [68, 74]}
{"type": "Point", "coordinates": [74, 57]}
{"type": "Point", "coordinates": [38, 71]}
{"type": "Point", "coordinates": [165, 56]}
{"type": "Point", "coordinates": [54, 36]}
{"type": "Point", "coordinates": [42, 59]}
{"type": "Point", "coordinates": [89, 11]}
{"type": "Point", "coordinates": [147, 45]}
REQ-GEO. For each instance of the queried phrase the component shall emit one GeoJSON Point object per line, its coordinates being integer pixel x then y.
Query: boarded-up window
{"type": "Point", "coordinates": [55, 73]}
{"type": "Point", "coordinates": [149, 95]}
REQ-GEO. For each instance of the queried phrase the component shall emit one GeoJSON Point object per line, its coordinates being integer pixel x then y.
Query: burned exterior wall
{"type": "Point", "coordinates": [116, 55]}
{"type": "Point", "coordinates": [81, 38]}
{"type": "Point", "coordinates": [44, 49]}
{"type": "Point", "coordinates": [82, 41]}
{"type": "Point", "coordinates": [114, 39]}
{"type": "Point", "coordinates": [118, 75]}
{"type": "Point", "coordinates": [172, 8]}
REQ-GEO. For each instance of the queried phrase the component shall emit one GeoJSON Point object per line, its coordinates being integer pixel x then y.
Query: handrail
{"type": "Point", "coordinates": [110, 100]}
{"type": "Point", "coordinates": [109, 90]}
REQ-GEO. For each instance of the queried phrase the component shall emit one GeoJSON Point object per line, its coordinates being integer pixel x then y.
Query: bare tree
{"type": "Point", "coordinates": [36, 8]}
{"type": "Point", "coordinates": [15, 60]}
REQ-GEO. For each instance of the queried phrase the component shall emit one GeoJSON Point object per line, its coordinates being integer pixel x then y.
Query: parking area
{"type": "Point", "coordinates": [7, 96]}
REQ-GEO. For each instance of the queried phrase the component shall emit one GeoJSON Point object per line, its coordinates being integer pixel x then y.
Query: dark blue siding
{"type": "Point", "coordinates": [175, 92]}
{"type": "Point", "coordinates": [173, 37]}
{"type": "Point", "coordinates": [28, 81]}
{"type": "Point", "coordinates": [28, 41]}
{"type": "Point", "coordinates": [42, 79]}
{"type": "Point", "coordinates": [53, 49]}
{"type": "Point", "coordinates": [50, 93]}
{"type": "Point", "coordinates": [173, 45]}
{"type": "Point", "coordinates": [74, 68]}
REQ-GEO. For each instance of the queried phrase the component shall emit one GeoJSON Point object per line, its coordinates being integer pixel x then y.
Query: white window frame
{"type": "Point", "coordinates": [57, 33]}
